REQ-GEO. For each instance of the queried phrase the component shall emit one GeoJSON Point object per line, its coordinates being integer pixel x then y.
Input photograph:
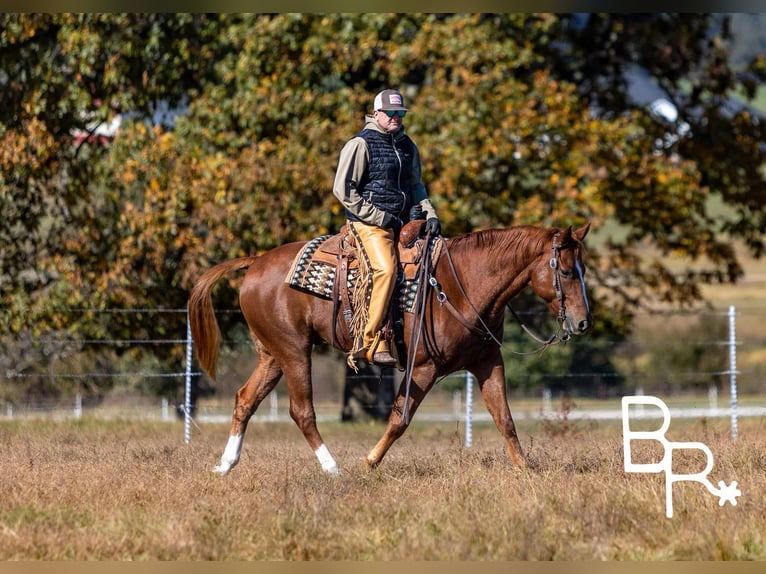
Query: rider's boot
{"type": "Point", "coordinates": [379, 353]}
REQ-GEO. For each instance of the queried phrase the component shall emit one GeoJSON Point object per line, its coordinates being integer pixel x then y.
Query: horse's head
{"type": "Point", "coordinates": [559, 279]}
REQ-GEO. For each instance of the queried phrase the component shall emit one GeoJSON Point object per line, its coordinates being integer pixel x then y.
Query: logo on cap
{"type": "Point", "coordinates": [389, 100]}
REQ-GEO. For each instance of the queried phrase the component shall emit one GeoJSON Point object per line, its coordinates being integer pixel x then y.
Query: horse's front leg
{"type": "Point", "coordinates": [396, 421]}
{"type": "Point", "coordinates": [491, 381]}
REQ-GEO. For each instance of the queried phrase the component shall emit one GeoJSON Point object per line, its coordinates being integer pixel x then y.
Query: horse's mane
{"type": "Point", "coordinates": [516, 241]}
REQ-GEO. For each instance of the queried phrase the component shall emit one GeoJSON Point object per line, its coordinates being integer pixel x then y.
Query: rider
{"type": "Point", "coordinates": [378, 181]}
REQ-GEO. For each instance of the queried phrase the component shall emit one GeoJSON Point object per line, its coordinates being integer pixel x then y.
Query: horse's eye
{"type": "Point", "coordinates": [567, 273]}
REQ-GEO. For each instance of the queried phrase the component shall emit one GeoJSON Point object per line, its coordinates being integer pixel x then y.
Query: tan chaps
{"type": "Point", "coordinates": [378, 244]}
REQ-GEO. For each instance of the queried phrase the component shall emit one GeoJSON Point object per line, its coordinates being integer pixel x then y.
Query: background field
{"type": "Point", "coordinates": [92, 489]}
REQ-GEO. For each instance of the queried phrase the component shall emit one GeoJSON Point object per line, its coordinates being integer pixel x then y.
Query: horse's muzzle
{"type": "Point", "coordinates": [578, 326]}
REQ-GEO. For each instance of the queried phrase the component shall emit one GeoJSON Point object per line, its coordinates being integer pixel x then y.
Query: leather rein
{"type": "Point", "coordinates": [427, 280]}
{"type": "Point", "coordinates": [562, 335]}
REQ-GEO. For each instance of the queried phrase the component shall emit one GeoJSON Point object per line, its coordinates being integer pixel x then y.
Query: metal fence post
{"type": "Point", "coordinates": [188, 390]}
{"type": "Point", "coordinates": [468, 409]}
{"type": "Point", "coordinates": [274, 406]}
{"type": "Point", "coordinates": [733, 369]}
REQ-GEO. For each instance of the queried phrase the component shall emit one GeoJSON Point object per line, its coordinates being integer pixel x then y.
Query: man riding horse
{"type": "Point", "coordinates": [378, 182]}
{"type": "Point", "coordinates": [459, 320]}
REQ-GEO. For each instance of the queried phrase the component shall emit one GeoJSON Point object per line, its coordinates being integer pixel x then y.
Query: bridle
{"type": "Point", "coordinates": [554, 264]}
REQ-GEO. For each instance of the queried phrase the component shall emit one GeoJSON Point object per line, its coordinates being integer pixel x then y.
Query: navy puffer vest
{"type": "Point", "coordinates": [388, 182]}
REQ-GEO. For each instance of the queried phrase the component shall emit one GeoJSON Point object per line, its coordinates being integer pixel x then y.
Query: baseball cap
{"type": "Point", "coordinates": [389, 100]}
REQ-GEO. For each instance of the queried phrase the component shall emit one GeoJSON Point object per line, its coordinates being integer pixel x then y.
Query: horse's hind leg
{"type": "Point", "coordinates": [261, 382]}
{"type": "Point", "coordinates": [491, 381]}
{"type": "Point", "coordinates": [299, 389]}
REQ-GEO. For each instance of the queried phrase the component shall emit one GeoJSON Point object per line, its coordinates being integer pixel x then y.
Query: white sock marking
{"type": "Point", "coordinates": [230, 455]}
{"type": "Point", "coordinates": [326, 460]}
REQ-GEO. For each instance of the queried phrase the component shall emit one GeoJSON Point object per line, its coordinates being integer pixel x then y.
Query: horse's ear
{"type": "Point", "coordinates": [566, 236]}
{"type": "Point", "coordinates": [582, 232]}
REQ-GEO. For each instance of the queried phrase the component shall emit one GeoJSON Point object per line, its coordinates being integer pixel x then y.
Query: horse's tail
{"type": "Point", "coordinates": [204, 326]}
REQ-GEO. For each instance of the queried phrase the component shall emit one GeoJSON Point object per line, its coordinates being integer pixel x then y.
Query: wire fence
{"type": "Point", "coordinates": [451, 405]}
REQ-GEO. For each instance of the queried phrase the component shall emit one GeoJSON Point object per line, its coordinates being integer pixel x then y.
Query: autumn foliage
{"type": "Point", "coordinates": [520, 118]}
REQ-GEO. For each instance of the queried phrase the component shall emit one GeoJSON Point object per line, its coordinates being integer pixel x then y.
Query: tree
{"type": "Point", "coordinates": [520, 118]}
{"type": "Point", "coordinates": [662, 195]}
{"type": "Point", "coordinates": [61, 72]}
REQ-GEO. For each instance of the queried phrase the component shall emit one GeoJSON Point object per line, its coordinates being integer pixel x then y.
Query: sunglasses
{"type": "Point", "coordinates": [392, 113]}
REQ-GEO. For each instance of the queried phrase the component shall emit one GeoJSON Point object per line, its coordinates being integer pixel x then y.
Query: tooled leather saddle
{"type": "Point", "coordinates": [328, 267]}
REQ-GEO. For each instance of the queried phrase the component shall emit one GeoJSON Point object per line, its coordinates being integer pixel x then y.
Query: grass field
{"type": "Point", "coordinates": [121, 490]}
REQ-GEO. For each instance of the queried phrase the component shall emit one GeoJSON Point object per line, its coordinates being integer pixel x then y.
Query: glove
{"type": "Point", "coordinates": [433, 226]}
{"type": "Point", "coordinates": [417, 213]}
{"type": "Point", "coordinates": [395, 223]}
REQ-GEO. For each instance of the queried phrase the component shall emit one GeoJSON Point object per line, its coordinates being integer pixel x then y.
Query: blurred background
{"type": "Point", "coordinates": [137, 150]}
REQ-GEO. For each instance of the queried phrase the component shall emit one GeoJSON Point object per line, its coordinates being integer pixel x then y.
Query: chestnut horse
{"type": "Point", "coordinates": [462, 328]}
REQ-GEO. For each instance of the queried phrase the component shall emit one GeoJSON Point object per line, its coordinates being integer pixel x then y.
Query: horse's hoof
{"type": "Point", "coordinates": [222, 469]}
{"type": "Point", "coordinates": [332, 469]}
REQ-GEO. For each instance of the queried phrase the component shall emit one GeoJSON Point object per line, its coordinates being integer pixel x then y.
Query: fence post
{"type": "Point", "coordinates": [733, 369]}
{"type": "Point", "coordinates": [78, 406]}
{"type": "Point", "coordinates": [188, 389]}
{"type": "Point", "coordinates": [468, 409]}
{"type": "Point", "coordinates": [547, 396]}
{"type": "Point", "coordinates": [274, 406]}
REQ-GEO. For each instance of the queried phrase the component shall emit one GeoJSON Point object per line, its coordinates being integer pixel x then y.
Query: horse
{"type": "Point", "coordinates": [461, 327]}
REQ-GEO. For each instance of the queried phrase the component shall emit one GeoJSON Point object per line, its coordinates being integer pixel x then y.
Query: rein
{"type": "Point", "coordinates": [420, 312]}
{"type": "Point", "coordinates": [486, 333]}
{"type": "Point", "coordinates": [426, 272]}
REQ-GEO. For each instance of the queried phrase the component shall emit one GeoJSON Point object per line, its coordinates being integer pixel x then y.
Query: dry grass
{"type": "Point", "coordinates": [124, 491]}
